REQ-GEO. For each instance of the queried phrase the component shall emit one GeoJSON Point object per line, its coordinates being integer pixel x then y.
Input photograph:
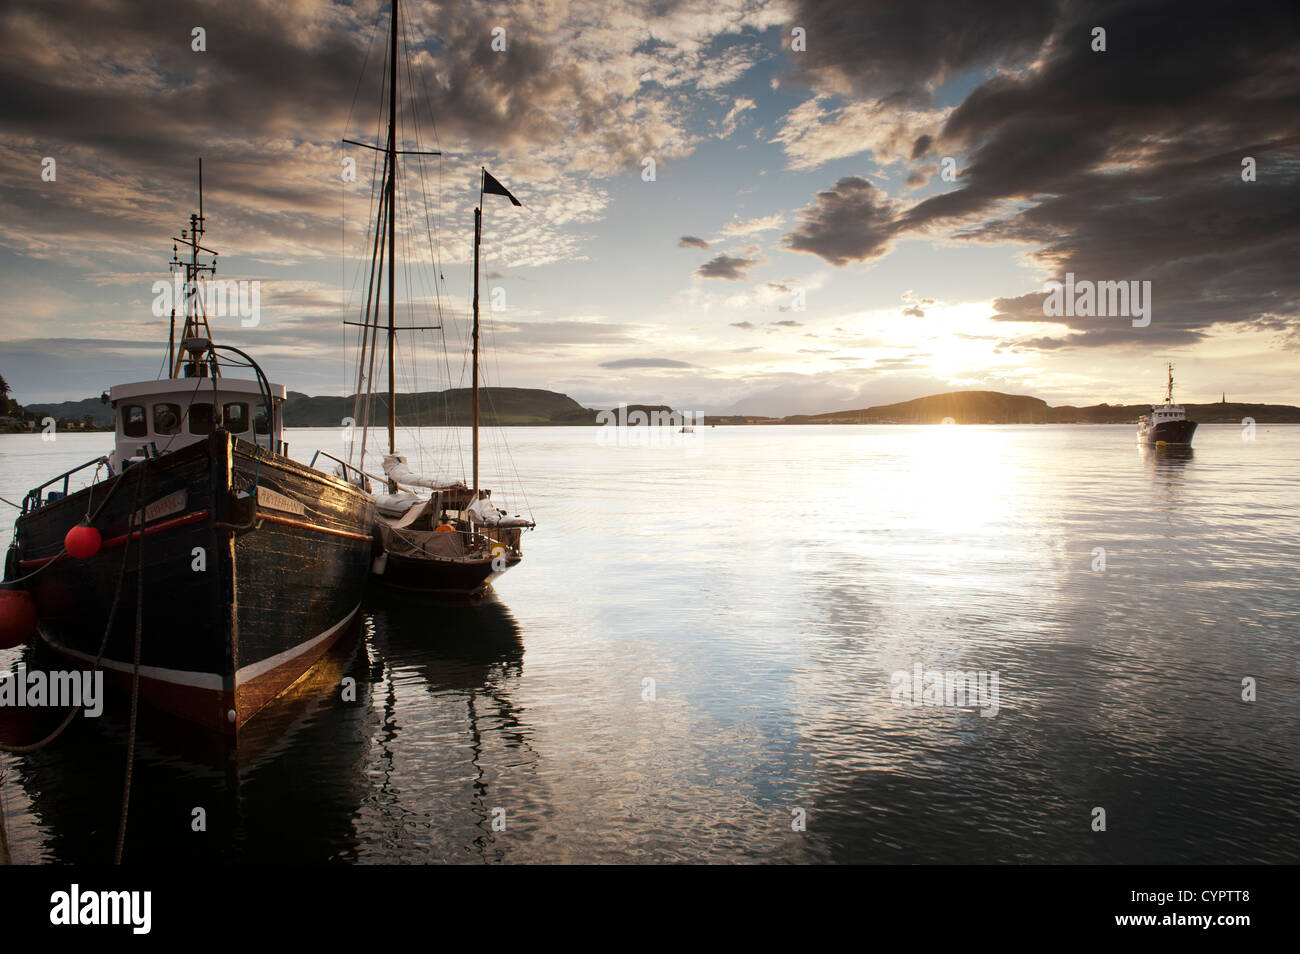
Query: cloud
{"type": "Point", "coordinates": [729, 122]}
{"type": "Point", "coordinates": [747, 325]}
{"type": "Point", "coordinates": [762, 223]}
{"type": "Point", "coordinates": [814, 132]}
{"type": "Point", "coordinates": [906, 51]}
{"type": "Point", "coordinates": [1123, 165]}
{"type": "Point", "coordinates": [851, 222]}
{"type": "Point", "coordinates": [691, 241]}
{"type": "Point", "coordinates": [645, 363]}
{"type": "Point", "coordinates": [726, 267]}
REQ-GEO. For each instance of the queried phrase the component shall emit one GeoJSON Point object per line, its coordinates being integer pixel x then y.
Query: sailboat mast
{"type": "Point", "coordinates": [392, 225]}
{"type": "Point", "coordinates": [478, 236]}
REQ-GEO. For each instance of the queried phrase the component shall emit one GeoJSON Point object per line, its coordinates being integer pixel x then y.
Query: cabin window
{"type": "Point", "coordinates": [261, 420]}
{"type": "Point", "coordinates": [236, 417]}
{"type": "Point", "coordinates": [200, 418]}
{"type": "Point", "coordinates": [166, 418]}
{"type": "Point", "coordinates": [133, 422]}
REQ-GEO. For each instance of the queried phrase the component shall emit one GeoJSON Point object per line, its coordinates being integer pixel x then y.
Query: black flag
{"type": "Point", "coordinates": [490, 185]}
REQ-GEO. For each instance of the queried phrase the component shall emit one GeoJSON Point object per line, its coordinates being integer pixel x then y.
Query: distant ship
{"type": "Point", "coordinates": [1167, 424]}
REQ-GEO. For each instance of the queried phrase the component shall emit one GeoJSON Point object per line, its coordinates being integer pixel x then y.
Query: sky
{"type": "Point", "coordinates": [851, 203]}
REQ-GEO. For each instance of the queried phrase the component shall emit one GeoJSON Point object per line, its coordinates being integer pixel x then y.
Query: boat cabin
{"type": "Point", "coordinates": [154, 417]}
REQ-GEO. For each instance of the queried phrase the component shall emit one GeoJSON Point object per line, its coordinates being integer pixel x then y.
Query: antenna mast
{"type": "Point", "coordinates": [196, 321]}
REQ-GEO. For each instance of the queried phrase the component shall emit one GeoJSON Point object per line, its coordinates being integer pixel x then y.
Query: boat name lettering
{"type": "Point", "coordinates": [278, 501]}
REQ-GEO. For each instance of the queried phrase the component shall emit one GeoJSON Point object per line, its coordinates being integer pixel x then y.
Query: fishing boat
{"type": "Point", "coordinates": [201, 566]}
{"type": "Point", "coordinates": [440, 538]}
{"type": "Point", "coordinates": [1167, 424]}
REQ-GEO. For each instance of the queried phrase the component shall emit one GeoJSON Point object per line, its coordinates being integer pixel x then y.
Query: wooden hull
{"type": "Point", "coordinates": [254, 566]}
{"type": "Point", "coordinates": [441, 579]}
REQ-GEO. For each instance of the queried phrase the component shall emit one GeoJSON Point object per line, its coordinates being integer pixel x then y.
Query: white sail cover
{"type": "Point", "coordinates": [487, 515]}
{"type": "Point", "coordinates": [397, 469]}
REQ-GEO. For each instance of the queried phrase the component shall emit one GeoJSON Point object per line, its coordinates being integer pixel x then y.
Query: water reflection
{"type": "Point", "coordinates": [447, 671]}
{"type": "Point", "coordinates": [284, 794]}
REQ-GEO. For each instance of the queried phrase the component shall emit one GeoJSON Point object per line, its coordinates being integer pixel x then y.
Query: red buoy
{"type": "Point", "coordinates": [17, 618]}
{"type": "Point", "coordinates": [82, 542]}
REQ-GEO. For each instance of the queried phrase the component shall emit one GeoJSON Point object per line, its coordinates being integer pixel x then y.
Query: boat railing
{"type": "Point", "coordinates": [37, 497]}
{"type": "Point", "coordinates": [347, 468]}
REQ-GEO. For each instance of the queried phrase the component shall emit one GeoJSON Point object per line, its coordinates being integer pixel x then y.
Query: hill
{"type": "Point", "coordinates": [497, 406]}
{"type": "Point", "coordinates": [538, 407]}
{"type": "Point", "coordinates": [994, 407]}
{"type": "Point", "coordinates": [101, 414]}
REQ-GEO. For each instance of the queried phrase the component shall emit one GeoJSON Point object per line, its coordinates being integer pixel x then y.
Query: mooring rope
{"type": "Point", "coordinates": [103, 643]}
{"type": "Point", "coordinates": [4, 838]}
{"type": "Point", "coordinates": [135, 690]}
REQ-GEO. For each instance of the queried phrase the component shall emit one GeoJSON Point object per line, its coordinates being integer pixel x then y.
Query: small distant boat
{"type": "Point", "coordinates": [1167, 424]}
{"type": "Point", "coordinates": [687, 430]}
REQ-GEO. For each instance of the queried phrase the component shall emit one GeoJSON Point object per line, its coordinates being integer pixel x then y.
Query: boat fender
{"type": "Point", "coordinates": [17, 617]}
{"type": "Point", "coordinates": [82, 541]}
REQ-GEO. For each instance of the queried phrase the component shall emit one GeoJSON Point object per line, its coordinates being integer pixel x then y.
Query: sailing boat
{"type": "Point", "coordinates": [207, 568]}
{"type": "Point", "coordinates": [452, 541]}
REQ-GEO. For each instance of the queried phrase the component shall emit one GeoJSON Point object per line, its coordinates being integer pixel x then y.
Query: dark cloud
{"type": "Point", "coordinates": [851, 222]}
{"type": "Point", "coordinates": [787, 324]}
{"type": "Point", "coordinates": [913, 312]}
{"type": "Point", "coordinates": [747, 325]}
{"type": "Point", "coordinates": [1122, 165]}
{"type": "Point", "coordinates": [726, 267]}
{"type": "Point", "coordinates": [645, 363]}
{"type": "Point", "coordinates": [691, 241]}
{"type": "Point", "coordinates": [881, 48]}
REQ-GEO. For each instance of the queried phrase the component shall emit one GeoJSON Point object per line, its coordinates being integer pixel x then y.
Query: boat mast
{"type": "Point", "coordinates": [392, 225]}
{"type": "Point", "coordinates": [478, 236]}
{"type": "Point", "coordinates": [196, 323]}
{"type": "Point", "coordinates": [387, 212]}
{"type": "Point", "coordinates": [1169, 391]}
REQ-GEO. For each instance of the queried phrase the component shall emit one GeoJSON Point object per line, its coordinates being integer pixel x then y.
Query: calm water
{"type": "Point", "coordinates": [769, 581]}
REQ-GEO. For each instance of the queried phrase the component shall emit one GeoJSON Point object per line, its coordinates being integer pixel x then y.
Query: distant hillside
{"type": "Point", "coordinates": [100, 413]}
{"type": "Point", "coordinates": [535, 406]}
{"type": "Point", "coordinates": [497, 406]}
{"type": "Point", "coordinates": [993, 407]}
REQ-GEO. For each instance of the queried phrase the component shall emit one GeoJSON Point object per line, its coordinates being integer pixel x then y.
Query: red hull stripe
{"type": "Point", "coordinates": [119, 540]}
{"type": "Point", "coordinates": [304, 525]}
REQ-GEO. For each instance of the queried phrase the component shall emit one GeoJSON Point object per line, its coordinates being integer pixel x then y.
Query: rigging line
{"type": "Point", "coordinates": [437, 141]}
{"type": "Point", "coordinates": [415, 118]}
{"type": "Point", "coordinates": [365, 330]}
{"type": "Point", "coordinates": [374, 31]}
{"type": "Point", "coordinates": [376, 277]}
{"type": "Point", "coordinates": [496, 357]}
{"type": "Point", "coordinates": [373, 283]}
{"type": "Point", "coordinates": [346, 291]}
{"type": "Point", "coordinates": [344, 298]}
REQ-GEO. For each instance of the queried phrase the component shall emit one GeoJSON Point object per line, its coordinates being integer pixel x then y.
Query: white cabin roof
{"type": "Point", "coordinates": [186, 386]}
